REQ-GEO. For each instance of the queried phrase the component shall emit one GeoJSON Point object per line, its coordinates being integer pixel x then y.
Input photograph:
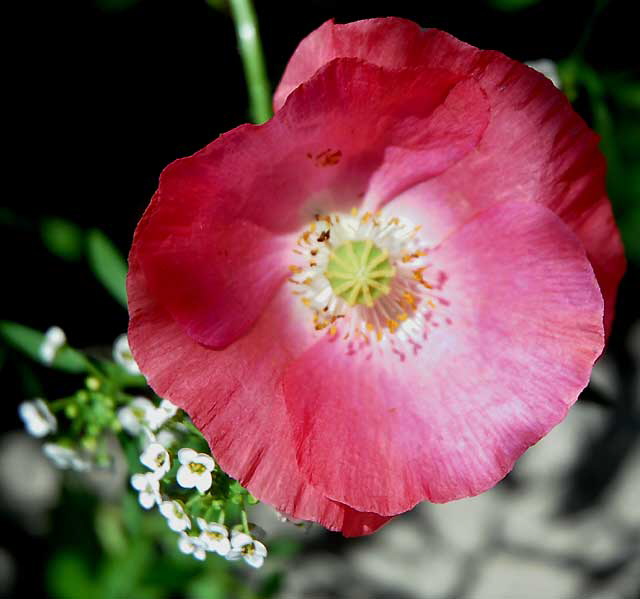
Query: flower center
{"type": "Point", "coordinates": [359, 272]}
{"type": "Point", "coordinates": [363, 275]}
{"type": "Point", "coordinates": [196, 468]}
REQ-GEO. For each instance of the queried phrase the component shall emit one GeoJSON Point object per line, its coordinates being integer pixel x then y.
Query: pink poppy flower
{"type": "Point", "coordinates": [390, 290]}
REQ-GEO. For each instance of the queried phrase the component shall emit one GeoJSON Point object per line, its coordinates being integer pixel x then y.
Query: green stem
{"type": "Point", "coordinates": [245, 522]}
{"type": "Point", "coordinates": [93, 369]}
{"type": "Point", "coordinates": [255, 72]}
{"type": "Point", "coordinates": [59, 404]}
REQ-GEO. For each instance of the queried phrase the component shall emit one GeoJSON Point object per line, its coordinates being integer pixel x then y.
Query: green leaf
{"type": "Point", "coordinates": [62, 238]}
{"type": "Point", "coordinates": [107, 264]}
{"type": "Point", "coordinates": [29, 340]}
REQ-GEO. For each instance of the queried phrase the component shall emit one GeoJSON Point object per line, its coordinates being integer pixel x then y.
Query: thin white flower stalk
{"type": "Point", "coordinates": [195, 471]}
{"type": "Point", "coordinates": [156, 458]}
{"type": "Point", "coordinates": [215, 537]}
{"type": "Point", "coordinates": [123, 356]}
{"type": "Point", "coordinates": [38, 419]}
{"type": "Point", "coordinates": [148, 488]}
{"type": "Point", "coordinates": [54, 340]}
{"type": "Point", "coordinates": [192, 546]}
{"type": "Point", "coordinates": [175, 515]}
{"type": "Point", "coordinates": [243, 546]}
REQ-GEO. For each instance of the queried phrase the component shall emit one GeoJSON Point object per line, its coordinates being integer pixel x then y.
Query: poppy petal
{"type": "Point", "coordinates": [508, 349]}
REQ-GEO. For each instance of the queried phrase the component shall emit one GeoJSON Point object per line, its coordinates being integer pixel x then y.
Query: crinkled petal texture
{"type": "Point", "coordinates": [535, 148]}
{"type": "Point", "coordinates": [507, 183]}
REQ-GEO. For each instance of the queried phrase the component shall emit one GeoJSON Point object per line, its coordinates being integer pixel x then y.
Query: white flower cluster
{"type": "Point", "coordinates": [142, 415]}
{"type": "Point", "coordinates": [195, 472]}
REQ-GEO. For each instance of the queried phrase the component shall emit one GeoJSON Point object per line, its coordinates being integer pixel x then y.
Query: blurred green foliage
{"type": "Point", "coordinates": [107, 264]}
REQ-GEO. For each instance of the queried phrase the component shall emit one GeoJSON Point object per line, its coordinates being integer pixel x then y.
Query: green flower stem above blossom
{"type": "Point", "coordinates": [250, 47]}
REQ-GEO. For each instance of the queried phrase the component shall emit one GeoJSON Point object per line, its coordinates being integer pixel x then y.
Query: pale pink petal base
{"type": "Point", "coordinates": [515, 341]}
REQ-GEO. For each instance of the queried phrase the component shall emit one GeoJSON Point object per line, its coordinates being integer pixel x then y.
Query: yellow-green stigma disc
{"type": "Point", "coordinates": [359, 272]}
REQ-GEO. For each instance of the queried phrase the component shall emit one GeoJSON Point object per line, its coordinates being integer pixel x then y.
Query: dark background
{"type": "Point", "coordinates": [105, 94]}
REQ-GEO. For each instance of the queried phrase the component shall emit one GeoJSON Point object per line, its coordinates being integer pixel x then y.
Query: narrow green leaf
{"type": "Point", "coordinates": [62, 238]}
{"type": "Point", "coordinates": [29, 340]}
{"type": "Point", "coordinates": [107, 264]}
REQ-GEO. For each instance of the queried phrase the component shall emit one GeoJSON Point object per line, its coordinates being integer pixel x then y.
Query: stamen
{"type": "Point", "coordinates": [365, 278]}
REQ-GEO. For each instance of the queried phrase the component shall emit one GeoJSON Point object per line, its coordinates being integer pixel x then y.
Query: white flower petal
{"type": "Point", "coordinates": [185, 477]}
{"type": "Point", "coordinates": [168, 407]}
{"type": "Point", "coordinates": [54, 339]}
{"type": "Point", "coordinates": [123, 356]}
{"type": "Point", "coordinates": [156, 458]}
{"type": "Point", "coordinates": [166, 438]}
{"type": "Point", "coordinates": [253, 559]}
{"type": "Point", "coordinates": [205, 460]}
{"type": "Point", "coordinates": [139, 482]}
{"type": "Point", "coordinates": [186, 455]}
{"type": "Point", "coordinates": [203, 482]}
{"type": "Point", "coordinates": [146, 500]}
{"type": "Point", "coordinates": [37, 418]}
{"type": "Point", "coordinates": [184, 544]}
{"type": "Point", "coordinates": [199, 553]}
{"type": "Point", "coordinates": [239, 540]}
{"type": "Point", "coordinates": [259, 548]}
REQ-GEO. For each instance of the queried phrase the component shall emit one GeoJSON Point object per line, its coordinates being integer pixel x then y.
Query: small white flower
{"type": "Point", "coordinates": [191, 546]}
{"type": "Point", "coordinates": [123, 356]}
{"type": "Point", "coordinates": [138, 414]}
{"type": "Point", "coordinates": [65, 457]}
{"type": "Point", "coordinates": [251, 551]}
{"type": "Point", "coordinates": [54, 339]}
{"type": "Point", "coordinates": [166, 438]}
{"type": "Point", "coordinates": [195, 470]}
{"type": "Point", "coordinates": [176, 516]}
{"type": "Point", "coordinates": [156, 458]}
{"type": "Point", "coordinates": [148, 488]}
{"type": "Point", "coordinates": [164, 412]}
{"type": "Point", "coordinates": [215, 537]}
{"type": "Point", "coordinates": [548, 68]}
{"type": "Point", "coordinates": [169, 408]}
{"type": "Point", "coordinates": [37, 418]}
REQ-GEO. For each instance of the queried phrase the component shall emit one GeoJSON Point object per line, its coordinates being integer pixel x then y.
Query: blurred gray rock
{"type": "Point", "coordinates": [505, 576]}
{"type": "Point", "coordinates": [29, 484]}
